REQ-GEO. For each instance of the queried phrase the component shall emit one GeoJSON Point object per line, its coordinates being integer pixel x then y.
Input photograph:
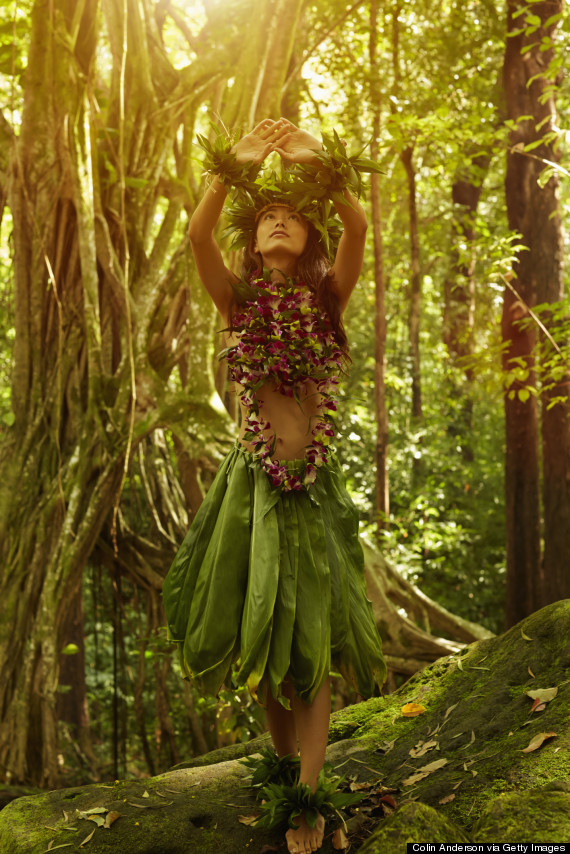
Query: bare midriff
{"type": "Point", "coordinates": [291, 420]}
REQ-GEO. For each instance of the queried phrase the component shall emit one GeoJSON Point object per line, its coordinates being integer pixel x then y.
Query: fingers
{"type": "Point", "coordinates": [283, 154]}
{"type": "Point", "coordinates": [281, 136]}
{"type": "Point", "coordinates": [264, 129]}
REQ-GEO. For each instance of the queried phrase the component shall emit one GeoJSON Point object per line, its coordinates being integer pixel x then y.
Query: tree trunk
{"type": "Point", "coordinates": [381, 448]}
{"type": "Point", "coordinates": [459, 295]}
{"type": "Point", "coordinates": [100, 324]}
{"type": "Point", "coordinates": [533, 212]}
{"type": "Point", "coordinates": [415, 283]}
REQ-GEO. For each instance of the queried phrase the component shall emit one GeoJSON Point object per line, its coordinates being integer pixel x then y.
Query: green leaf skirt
{"type": "Point", "coordinates": [273, 582]}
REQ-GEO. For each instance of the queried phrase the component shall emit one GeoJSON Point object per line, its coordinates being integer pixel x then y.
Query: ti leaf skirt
{"type": "Point", "coordinates": [273, 582]}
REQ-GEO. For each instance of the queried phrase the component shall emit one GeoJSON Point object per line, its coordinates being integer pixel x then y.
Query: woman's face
{"type": "Point", "coordinates": [281, 230]}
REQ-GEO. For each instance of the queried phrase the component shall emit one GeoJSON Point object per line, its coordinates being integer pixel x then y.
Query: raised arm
{"type": "Point", "coordinates": [216, 277]}
{"type": "Point", "coordinates": [298, 146]}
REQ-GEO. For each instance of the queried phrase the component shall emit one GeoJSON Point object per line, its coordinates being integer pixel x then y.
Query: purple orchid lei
{"type": "Point", "coordinates": [285, 338]}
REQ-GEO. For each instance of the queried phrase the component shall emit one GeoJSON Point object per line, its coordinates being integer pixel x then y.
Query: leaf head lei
{"type": "Point", "coordinates": [310, 189]}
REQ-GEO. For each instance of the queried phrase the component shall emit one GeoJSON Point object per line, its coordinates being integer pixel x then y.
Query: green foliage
{"type": "Point", "coordinates": [282, 803]}
{"type": "Point", "coordinates": [269, 768]}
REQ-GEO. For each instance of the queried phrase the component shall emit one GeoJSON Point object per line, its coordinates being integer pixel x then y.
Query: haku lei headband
{"type": "Point", "coordinates": [311, 189]}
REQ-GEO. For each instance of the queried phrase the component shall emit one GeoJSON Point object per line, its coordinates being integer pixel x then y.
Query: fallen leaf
{"type": "Point", "coordinates": [99, 820]}
{"type": "Point", "coordinates": [457, 785]}
{"type": "Point", "coordinates": [556, 749]}
{"type": "Point", "coordinates": [87, 839]}
{"type": "Point", "coordinates": [447, 799]}
{"type": "Point", "coordinates": [525, 637]}
{"type": "Point", "coordinates": [449, 710]}
{"type": "Point", "coordinates": [145, 794]}
{"type": "Point", "coordinates": [538, 706]}
{"type": "Point", "coordinates": [422, 748]}
{"type": "Point", "coordinates": [469, 743]}
{"type": "Point", "coordinates": [387, 799]}
{"type": "Point", "coordinates": [412, 710]}
{"type": "Point", "coordinates": [424, 772]}
{"type": "Point", "coordinates": [545, 695]}
{"type": "Point", "coordinates": [538, 740]}
{"type": "Point", "coordinates": [111, 817]}
{"type": "Point", "coordinates": [385, 747]}
{"type": "Point", "coordinates": [510, 733]}
{"type": "Point", "coordinates": [248, 820]}
{"type": "Point", "coordinates": [92, 811]}
{"type": "Point", "coordinates": [340, 841]}
{"type": "Point", "coordinates": [53, 847]}
{"type": "Point", "coordinates": [530, 673]}
{"type": "Point", "coordinates": [460, 664]}
{"type": "Point", "coordinates": [359, 787]}
{"type": "Point", "coordinates": [474, 772]}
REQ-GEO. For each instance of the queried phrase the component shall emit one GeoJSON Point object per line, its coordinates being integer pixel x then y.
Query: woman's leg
{"type": "Point", "coordinates": [281, 723]}
{"type": "Point", "coordinates": [312, 726]}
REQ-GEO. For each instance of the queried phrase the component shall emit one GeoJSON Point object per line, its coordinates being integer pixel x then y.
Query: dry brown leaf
{"type": "Point", "coordinates": [537, 706]}
{"type": "Point", "coordinates": [538, 741]}
{"type": "Point", "coordinates": [422, 748]}
{"type": "Point", "coordinates": [449, 710]}
{"type": "Point", "coordinates": [87, 839]}
{"type": "Point", "coordinates": [530, 673]}
{"type": "Point", "coordinates": [525, 637]}
{"type": "Point", "coordinates": [412, 710]}
{"type": "Point", "coordinates": [340, 840]}
{"type": "Point", "coordinates": [359, 787]}
{"type": "Point", "coordinates": [248, 820]}
{"type": "Point", "coordinates": [111, 817]}
{"type": "Point", "coordinates": [51, 847]}
{"type": "Point", "coordinates": [424, 772]}
{"type": "Point", "coordinates": [447, 799]}
{"type": "Point", "coordinates": [545, 695]}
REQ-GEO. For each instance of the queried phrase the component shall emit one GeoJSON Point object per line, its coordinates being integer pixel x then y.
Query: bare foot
{"type": "Point", "coordinates": [305, 839]}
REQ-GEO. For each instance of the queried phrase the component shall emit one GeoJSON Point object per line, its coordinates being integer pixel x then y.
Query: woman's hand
{"type": "Point", "coordinates": [293, 144]}
{"type": "Point", "coordinates": [257, 144]}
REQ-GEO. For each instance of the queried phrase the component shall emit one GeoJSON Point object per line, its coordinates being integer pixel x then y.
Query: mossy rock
{"type": "Point", "coordinates": [413, 822]}
{"type": "Point", "coordinates": [539, 815]}
{"type": "Point", "coordinates": [477, 718]}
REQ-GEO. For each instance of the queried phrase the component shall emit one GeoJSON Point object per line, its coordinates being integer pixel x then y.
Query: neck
{"type": "Point", "coordinates": [281, 268]}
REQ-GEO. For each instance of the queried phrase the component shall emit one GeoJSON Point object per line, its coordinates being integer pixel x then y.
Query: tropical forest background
{"type": "Point", "coordinates": [115, 412]}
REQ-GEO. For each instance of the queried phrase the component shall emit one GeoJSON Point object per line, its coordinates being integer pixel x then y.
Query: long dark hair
{"type": "Point", "coordinates": [313, 269]}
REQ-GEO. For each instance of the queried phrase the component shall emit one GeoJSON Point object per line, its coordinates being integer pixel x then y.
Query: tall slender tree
{"type": "Point", "coordinates": [533, 211]}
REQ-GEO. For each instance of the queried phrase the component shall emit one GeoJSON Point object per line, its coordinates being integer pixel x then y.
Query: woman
{"type": "Point", "coordinates": [271, 572]}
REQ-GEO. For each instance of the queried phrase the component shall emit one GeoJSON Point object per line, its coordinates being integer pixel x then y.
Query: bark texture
{"type": "Point", "coordinates": [533, 211]}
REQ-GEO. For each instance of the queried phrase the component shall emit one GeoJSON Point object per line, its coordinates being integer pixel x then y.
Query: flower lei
{"type": "Point", "coordinates": [285, 337]}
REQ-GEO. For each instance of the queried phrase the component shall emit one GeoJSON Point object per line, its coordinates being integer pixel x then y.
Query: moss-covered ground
{"type": "Point", "coordinates": [477, 718]}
